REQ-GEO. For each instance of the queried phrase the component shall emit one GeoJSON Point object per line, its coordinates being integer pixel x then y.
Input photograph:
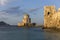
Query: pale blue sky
{"type": "Point", "coordinates": [12, 10]}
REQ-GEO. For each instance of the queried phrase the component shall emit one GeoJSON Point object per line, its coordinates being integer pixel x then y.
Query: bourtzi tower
{"type": "Point", "coordinates": [26, 21]}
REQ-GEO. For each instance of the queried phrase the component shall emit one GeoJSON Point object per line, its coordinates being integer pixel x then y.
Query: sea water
{"type": "Point", "coordinates": [15, 33]}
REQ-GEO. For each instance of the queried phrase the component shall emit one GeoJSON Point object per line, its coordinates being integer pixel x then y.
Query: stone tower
{"type": "Point", "coordinates": [49, 11]}
{"type": "Point", "coordinates": [26, 19]}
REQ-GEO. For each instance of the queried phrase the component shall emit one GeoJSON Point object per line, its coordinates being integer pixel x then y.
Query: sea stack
{"type": "Point", "coordinates": [26, 21]}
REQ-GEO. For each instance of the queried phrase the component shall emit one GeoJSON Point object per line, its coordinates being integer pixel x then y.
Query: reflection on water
{"type": "Point", "coordinates": [15, 33]}
{"type": "Point", "coordinates": [52, 35]}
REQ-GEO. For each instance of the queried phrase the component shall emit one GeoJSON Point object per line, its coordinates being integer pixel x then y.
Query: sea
{"type": "Point", "coordinates": [15, 33]}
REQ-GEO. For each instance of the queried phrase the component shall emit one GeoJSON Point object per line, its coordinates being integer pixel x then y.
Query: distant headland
{"type": "Point", "coordinates": [2, 23]}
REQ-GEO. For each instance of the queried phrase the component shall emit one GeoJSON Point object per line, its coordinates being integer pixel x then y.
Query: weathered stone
{"type": "Point", "coordinates": [51, 17]}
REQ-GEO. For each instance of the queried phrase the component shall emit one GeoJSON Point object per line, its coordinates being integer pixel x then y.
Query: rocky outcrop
{"type": "Point", "coordinates": [51, 17]}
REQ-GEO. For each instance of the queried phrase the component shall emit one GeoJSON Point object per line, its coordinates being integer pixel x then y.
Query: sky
{"type": "Point", "coordinates": [12, 11]}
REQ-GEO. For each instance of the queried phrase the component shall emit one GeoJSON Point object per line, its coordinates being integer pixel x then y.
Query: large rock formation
{"type": "Point", "coordinates": [26, 21]}
{"type": "Point", "coordinates": [51, 17]}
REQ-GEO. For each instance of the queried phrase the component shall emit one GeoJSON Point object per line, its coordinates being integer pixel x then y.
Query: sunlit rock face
{"type": "Point", "coordinates": [26, 20]}
{"type": "Point", "coordinates": [51, 17]}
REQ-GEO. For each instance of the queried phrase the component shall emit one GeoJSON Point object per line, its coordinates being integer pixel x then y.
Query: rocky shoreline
{"type": "Point", "coordinates": [51, 29]}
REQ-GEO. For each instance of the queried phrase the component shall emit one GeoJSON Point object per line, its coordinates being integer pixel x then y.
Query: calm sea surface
{"type": "Point", "coordinates": [14, 33]}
